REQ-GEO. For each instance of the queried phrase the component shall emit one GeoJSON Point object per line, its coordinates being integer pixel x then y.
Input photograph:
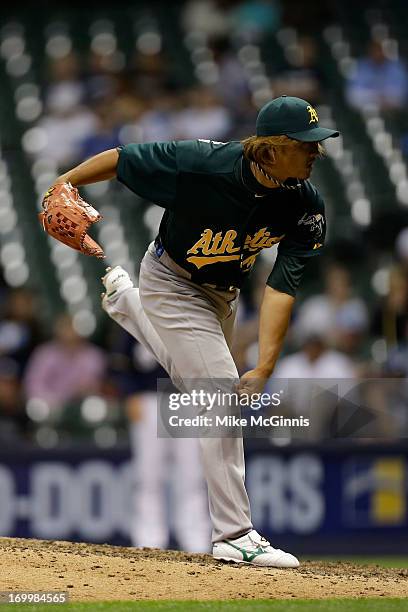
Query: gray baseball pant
{"type": "Point", "coordinates": [188, 328]}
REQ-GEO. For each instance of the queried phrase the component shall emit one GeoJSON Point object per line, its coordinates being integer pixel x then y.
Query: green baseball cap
{"type": "Point", "coordinates": [291, 117]}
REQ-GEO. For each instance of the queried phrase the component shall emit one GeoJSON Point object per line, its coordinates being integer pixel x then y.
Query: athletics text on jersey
{"type": "Point", "coordinates": [217, 217]}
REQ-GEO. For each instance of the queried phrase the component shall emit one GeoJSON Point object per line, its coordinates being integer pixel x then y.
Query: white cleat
{"type": "Point", "coordinates": [253, 549]}
{"type": "Point", "coordinates": [115, 281]}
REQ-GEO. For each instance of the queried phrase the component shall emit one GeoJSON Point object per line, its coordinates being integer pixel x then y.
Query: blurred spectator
{"type": "Point", "coordinates": [252, 19]}
{"type": "Point", "coordinates": [65, 86]}
{"type": "Point", "coordinates": [157, 121]}
{"type": "Point", "coordinates": [404, 144]}
{"type": "Point", "coordinates": [162, 465]}
{"type": "Point", "coordinates": [232, 85]}
{"type": "Point", "coordinates": [378, 81]}
{"type": "Point", "coordinates": [390, 324]}
{"type": "Point", "coordinates": [401, 248]}
{"type": "Point", "coordinates": [203, 116]}
{"type": "Point", "coordinates": [66, 120]}
{"type": "Point", "coordinates": [207, 16]}
{"type": "Point", "coordinates": [315, 360]}
{"type": "Point", "coordinates": [106, 134]}
{"type": "Point", "coordinates": [151, 72]}
{"type": "Point", "coordinates": [13, 419]}
{"type": "Point", "coordinates": [334, 311]}
{"type": "Point", "coordinates": [20, 329]}
{"type": "Point", "coordinates": [64, 125]}
{"type": "Point", "coordinates": [306, 395]}
{"type": "Point", "coordinates": [66, 368]}
{"type": "Point", "coordinates": [103, 75]}
{"type": "Point", "coordinates": [351, 331]}
{"type": "Point", "coordinates": [127, 109]}
{"type": "Point", "coordinates": [390, 318]}
{"type": "Point", "coordinates": [397, 361]}
{"type": "Point", "coordinates": [304, 78]}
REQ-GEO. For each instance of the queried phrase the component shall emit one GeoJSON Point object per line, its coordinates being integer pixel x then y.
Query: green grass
{"type": "Point", "coordinates": [401, 561]}
{"type": "Point", "coordinates": [381, 604]}
{"type": "Point", "coordinates": [254, 605]}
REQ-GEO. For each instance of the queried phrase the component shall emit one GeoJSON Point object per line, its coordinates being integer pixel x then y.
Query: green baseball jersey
{"type": "Point", "coordinates": [217, 217]}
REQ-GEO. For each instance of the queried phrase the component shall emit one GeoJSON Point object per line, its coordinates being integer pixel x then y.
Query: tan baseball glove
{"type": "Point", "coordinates": [67, 217]}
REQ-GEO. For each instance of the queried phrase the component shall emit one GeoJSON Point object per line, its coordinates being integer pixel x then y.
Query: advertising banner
{"type": "Point", "coordinates": [324, 500]}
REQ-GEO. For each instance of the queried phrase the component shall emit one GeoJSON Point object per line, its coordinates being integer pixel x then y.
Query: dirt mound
{"type": "Point", "coordinates": [101, 572]}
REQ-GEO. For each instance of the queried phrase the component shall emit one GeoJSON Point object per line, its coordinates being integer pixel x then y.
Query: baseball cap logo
{"type": "Point", "coordinates": [313, 114]}
{"type": "Point", "coordinates": [291, 117]}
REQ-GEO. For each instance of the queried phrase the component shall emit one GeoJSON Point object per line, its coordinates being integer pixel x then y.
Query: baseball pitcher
{"type": "Point", "coordinates": [224, 203]}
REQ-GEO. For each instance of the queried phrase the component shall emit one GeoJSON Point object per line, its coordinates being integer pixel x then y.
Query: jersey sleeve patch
{"type": "Point", "coordinates": [308, 232]}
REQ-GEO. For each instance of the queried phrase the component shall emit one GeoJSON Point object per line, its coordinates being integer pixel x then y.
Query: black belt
{"type": "Point", "coordinates": [170, 263]}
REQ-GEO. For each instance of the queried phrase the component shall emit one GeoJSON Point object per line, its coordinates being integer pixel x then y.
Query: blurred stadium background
{"type": "Point", "coordinates": [76, 81]}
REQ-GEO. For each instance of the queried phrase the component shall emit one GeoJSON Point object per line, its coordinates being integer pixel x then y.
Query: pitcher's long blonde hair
{"type": "Point", "coordinates": [261, 149]}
